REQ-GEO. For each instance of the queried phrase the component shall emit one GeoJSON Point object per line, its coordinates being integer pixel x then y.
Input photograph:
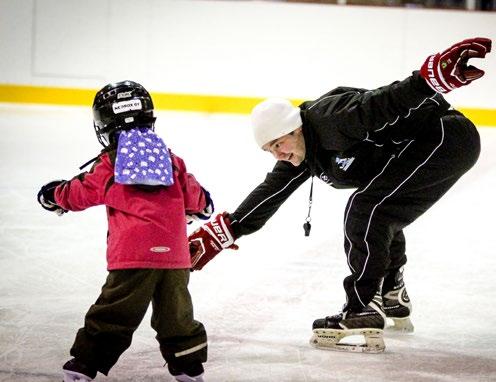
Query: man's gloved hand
{"type": "Point", "coordinates": [449, 70]}
{"type": "Point", "coordinates": [46, 197]}
{"type": "Point", "coordinates": [208, 240]}
{"type": "Point", "coordinates": [204, 214]}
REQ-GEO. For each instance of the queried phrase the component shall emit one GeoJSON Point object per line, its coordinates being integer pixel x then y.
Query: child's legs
{"type": "Point", "coordinates": [183, 341]}
{"type": "Point", "coordinates": [113, 318]}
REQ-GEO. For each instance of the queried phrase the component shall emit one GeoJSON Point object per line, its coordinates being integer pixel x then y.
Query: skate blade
{"type": "Point", "coordinates": [329, 339]}
{"type": "Point", "coordinates": [401, 325]}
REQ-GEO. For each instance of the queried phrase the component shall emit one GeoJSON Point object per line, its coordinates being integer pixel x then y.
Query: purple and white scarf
{"type": "Point", "coordinates": [142, 158]}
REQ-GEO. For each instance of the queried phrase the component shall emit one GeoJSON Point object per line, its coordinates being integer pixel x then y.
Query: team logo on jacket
{"type": "Point", "coordinates": [344, 163]}
{"type": "Point", "coordinates": [325, 178]}
{"type": "Point", "coordinates": [160, 249]}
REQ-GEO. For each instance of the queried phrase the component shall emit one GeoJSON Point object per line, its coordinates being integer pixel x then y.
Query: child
{"type": "Point", "coordinates": [147, 193]}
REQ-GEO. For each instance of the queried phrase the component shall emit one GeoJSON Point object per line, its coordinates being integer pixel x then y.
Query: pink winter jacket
{"type": "Point", "coordinates": [146, 229]}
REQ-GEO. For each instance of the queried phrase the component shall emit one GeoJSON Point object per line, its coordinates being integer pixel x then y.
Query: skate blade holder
{"type": "Point", "coordinates": [400, 324]}
{"type": "Point", "coordinates": [330, 339]}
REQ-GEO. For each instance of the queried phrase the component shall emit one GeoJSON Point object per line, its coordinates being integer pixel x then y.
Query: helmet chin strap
{"type": "Point", "coordinates": [109, 130]}
{"type": "Point", "coordinates": [107, 148]}
{"type": "Point", "coordinates": [89, 162]}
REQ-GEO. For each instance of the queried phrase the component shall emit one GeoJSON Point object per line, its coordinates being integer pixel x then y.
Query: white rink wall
{"type": "Point", "coordinates": [238, 48]}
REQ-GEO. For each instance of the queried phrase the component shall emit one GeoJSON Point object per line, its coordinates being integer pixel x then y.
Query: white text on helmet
{"type": "Point", "coordinates": [124, 95]}
{"type": "Point", "coordinates": [123, 106]}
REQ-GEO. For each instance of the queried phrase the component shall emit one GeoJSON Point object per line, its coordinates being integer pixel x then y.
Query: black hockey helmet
{"type": "Point", "coordinates": [121, 106]}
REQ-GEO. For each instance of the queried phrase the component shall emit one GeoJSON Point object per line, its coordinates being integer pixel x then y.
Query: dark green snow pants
{"type": "Point", "coordinates": [111, 321]}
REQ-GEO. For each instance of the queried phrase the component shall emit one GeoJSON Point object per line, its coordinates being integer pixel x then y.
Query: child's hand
{"type": "Point", "coordinates": [204, 214]}
{"type": "Point", "coordinates": [46, 197]}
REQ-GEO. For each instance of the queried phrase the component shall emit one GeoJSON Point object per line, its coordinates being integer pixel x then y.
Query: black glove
{"type": "Point", "coordinates": [46, 197]}
{"type": "Point", "coordinates": [204, 214]}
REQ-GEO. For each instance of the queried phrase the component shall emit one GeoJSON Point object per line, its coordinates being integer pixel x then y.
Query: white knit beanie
{"type": "Point", "coordinates": [273, 118]}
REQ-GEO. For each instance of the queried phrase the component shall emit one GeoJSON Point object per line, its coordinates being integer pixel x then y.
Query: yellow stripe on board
{"type": "Point", "coordinates": [46, 95]}
{"type": "Point", "coordinates": [204, 103]}
{"type": "Point", "coordinates": [480, 117]}
{"type": "Point", "coordinates": [179, 102]}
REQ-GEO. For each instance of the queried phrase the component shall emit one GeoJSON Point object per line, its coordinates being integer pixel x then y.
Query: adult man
{"type": "Point", "coordinates": [401, 146]}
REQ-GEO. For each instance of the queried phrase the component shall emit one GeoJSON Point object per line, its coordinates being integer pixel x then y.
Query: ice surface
{"type": "Point", "coordinates": [258, 303]}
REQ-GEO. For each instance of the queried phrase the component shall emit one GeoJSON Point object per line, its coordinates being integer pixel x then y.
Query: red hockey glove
{"type": "Point", "coordinates": [448, 70]}
{"type": "Point", "coordinates": [208, 240]}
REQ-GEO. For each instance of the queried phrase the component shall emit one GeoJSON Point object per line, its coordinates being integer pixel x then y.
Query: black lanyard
{"type": "Point", "coordinates": [307, 226]}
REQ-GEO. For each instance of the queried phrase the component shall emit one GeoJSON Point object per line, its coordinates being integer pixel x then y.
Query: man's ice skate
{"type": "Point", "coordinates": [369, 323]}
{"type": "Point", "coordinates": [75, 371]}
{"type": "Point", "coordinates": [398, 308]}
{"type": "Point", "coordinates": [397, 305]}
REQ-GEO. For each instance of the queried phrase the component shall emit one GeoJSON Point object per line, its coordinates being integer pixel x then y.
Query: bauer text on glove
{"type": "Point", "coordinates": [448, 70]}
{"type": "Point", "coordinates": [210, 239]}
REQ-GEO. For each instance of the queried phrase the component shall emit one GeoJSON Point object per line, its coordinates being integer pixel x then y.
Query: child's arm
{"type": "Point", "coordinates": [204, 214]}
{"type": "Point", "coordinates": [87, 189]}
{"type": "Point", "coordinates": [197, 201]}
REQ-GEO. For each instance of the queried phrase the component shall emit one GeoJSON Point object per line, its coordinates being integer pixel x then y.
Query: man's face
{"type": "Point", "coordinates": [289, 147]}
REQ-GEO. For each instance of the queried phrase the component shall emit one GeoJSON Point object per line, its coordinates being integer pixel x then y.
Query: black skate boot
{"type": "Point", "coordinates": [397, 304]}
{"type": "Point", "coordinates": [368, 322]}
{"type": "Point", "coordinates": [75, 371]}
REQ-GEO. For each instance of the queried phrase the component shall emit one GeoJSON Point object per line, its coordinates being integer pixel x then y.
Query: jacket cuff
{"type": "Point", "coordinates": [421, 84]}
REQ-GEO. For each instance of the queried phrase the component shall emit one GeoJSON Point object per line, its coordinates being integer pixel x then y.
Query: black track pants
{"type": "Point", "coordinates": [120, 308]}
{"type": "Point", "coordinates": [409, 184]}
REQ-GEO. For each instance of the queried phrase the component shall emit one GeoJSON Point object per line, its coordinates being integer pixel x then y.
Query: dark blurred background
{"type": "Point", "coordinates": [474, 5]}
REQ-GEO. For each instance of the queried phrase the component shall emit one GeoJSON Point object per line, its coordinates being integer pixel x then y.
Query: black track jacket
{"type": "Point", "coordinates": [349, 135]}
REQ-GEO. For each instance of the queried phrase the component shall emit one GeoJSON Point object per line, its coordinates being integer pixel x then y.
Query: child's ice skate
{"type": "Point", "coordinates": [186, 378]}
{"type": "Point", "coordinates": [191, 373]}
{"type": "Point", "coordinates": [75, 371]}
